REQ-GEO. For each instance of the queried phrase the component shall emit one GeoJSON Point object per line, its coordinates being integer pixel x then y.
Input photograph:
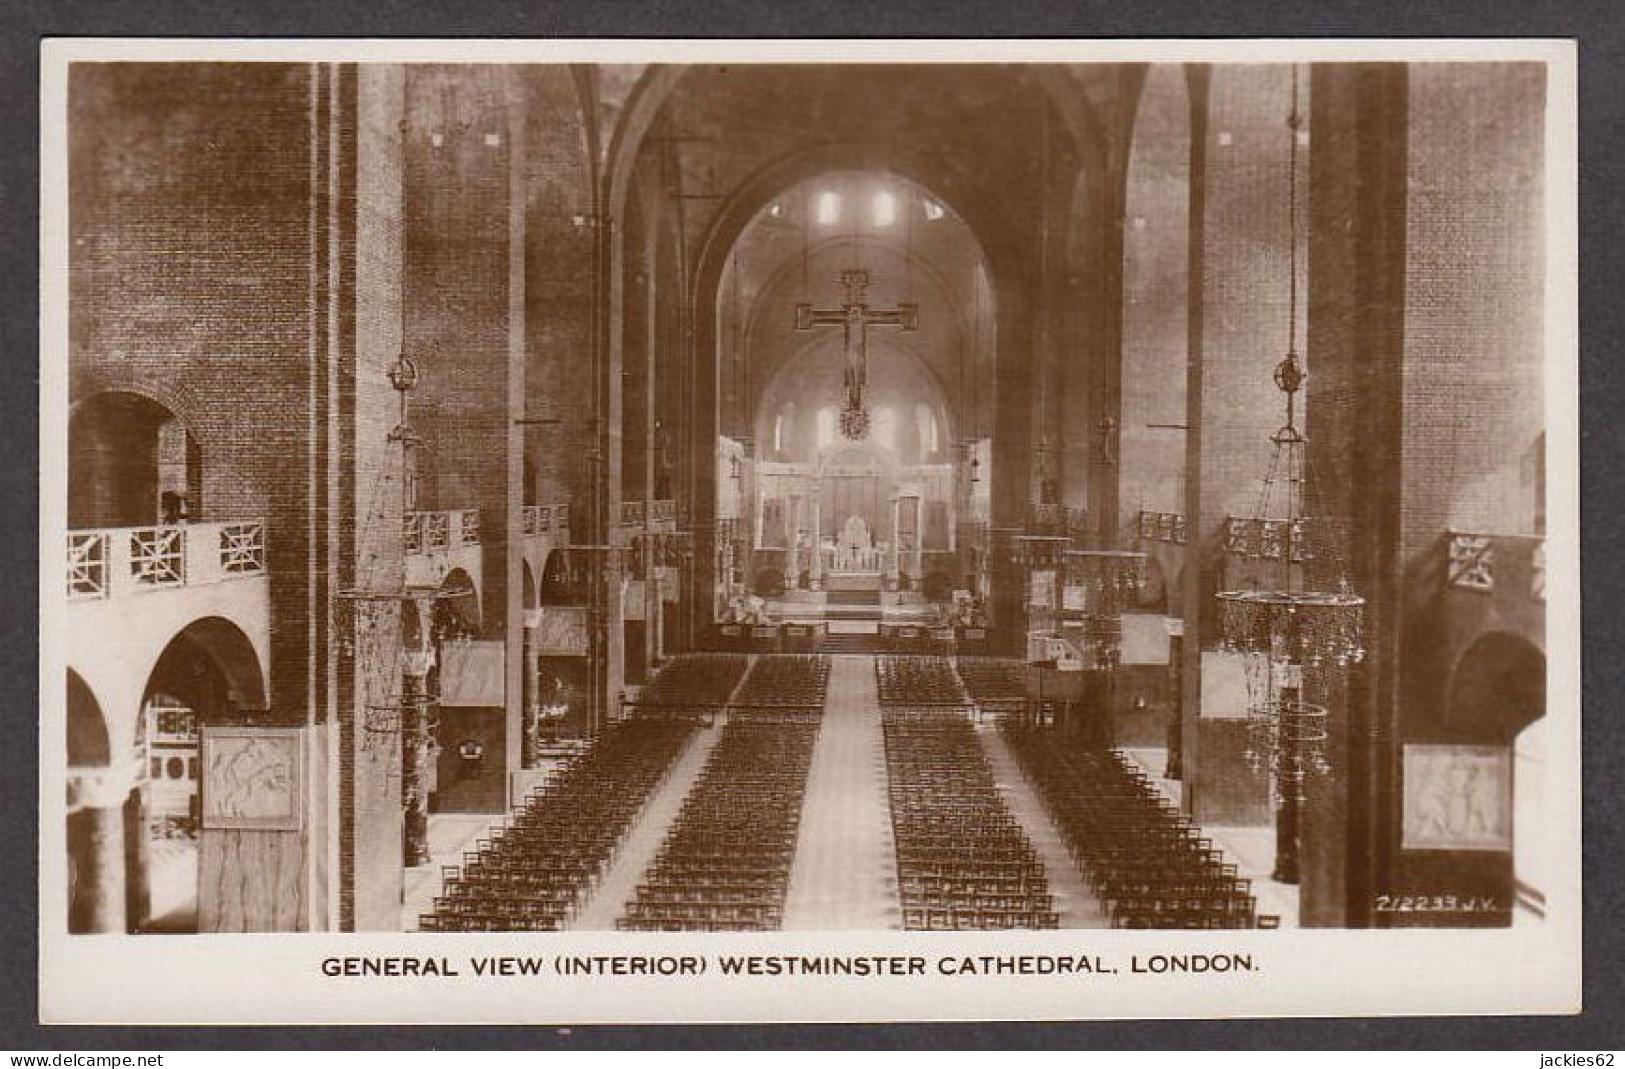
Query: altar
{"type": "Point", "coordinates": [853, 554]}
{"type": "Point", "coordinates": [850, 524]}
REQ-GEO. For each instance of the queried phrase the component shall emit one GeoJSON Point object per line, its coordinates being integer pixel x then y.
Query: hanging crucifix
{"type": "Point", "coordinates": [856, 317]}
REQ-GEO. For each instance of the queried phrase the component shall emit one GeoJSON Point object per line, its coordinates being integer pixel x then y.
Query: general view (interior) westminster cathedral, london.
{"type": "Point", "coordinates": [726, 497]}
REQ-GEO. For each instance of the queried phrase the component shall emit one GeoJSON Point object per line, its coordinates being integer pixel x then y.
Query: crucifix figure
{"type": "Point", "coordinates": [856, 317]}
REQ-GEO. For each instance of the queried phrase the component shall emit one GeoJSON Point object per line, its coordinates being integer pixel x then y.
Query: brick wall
{"type": "Point", "coordinates": [1425, 399]}
{"type": "Point", "coordinates": [456, 224]}
{"type": "Point", "coordinates": [191, 240]}
{"type": "Point", "coordinates": [559, 282]}
{"type": "Point", "coordinates": [1245, 284]}
{"type": "Point", "coordinates": [1473, 299]}
{"type": "Point", "coordinates": [1156, 277]}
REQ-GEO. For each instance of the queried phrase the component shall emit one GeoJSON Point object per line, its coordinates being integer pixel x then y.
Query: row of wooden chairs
{"type": "Point", "coordinates": [963, 861]}
{"type": "Point", "coordinates": [725, 863]}
{"type": "Point", "coordinates": [797, 680]}
{"type": "Point", "coordinates": [695, 679]}
{"type": "Point", "coordinates": [918, 681]}
{"type": "Point", "coordinates": [998, 685]}
{"type": "Point", "coordinates": [1146, 861]}
{"type": "Point", "coordinates": [531, 874]}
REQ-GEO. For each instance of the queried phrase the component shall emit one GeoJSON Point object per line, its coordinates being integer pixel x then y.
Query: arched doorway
{"type": "Point", "coordinates": [208, 674]}
{"type": "Point", "coordinates": [564, 683]}
{"type": "Point", "coordinates": [1498, 700]}
{"type": "Point", "coordinates": [457, 607]}
{"type": "Point", "coordinates": [131, 463]}
{"type": "Point", "coordinates": [563, 582]}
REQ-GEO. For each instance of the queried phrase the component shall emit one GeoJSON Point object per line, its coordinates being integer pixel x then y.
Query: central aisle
{"type": "Point", "coordinates": [1074, 902]}
{"type": "Point", "coordinates": [620, 880]}
{"type": "Point", "coordinates": [845, 872]}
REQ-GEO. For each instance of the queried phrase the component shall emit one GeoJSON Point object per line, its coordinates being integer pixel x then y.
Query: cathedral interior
{"type": "Point", "coordinates": [828, 496]}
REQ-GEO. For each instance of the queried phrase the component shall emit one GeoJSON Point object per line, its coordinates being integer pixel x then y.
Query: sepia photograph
{"type": "Point", "coordinates": [745, 526]}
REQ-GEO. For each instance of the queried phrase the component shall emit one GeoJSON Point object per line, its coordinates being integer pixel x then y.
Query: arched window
{"type": "Point", "coordinates": [778, 433]}
{"type": "Point", "coordinates": [886, 428]}
{"type": "Point", "coordinates": [826, 428]}
{"type": "Point", "coordinates": [926, 421]}
{"type": "Point", "coordinates": [829, 208]}
{"type": "Point", "coordinates": [885, 208]}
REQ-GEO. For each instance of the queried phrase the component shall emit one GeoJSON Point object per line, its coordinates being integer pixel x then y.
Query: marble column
{"type": "Point", "coordinates": [415, 667]}
{"type": "Point", "coordinates": [530, 739]}
{"type": "Point", "coordinates": [1176, 697]}
{"type": "Point", "coordinates": [817, 579]}
{"type": "Point", "coordinates": [97, 850]}
{"type": "Point", "coordinates": [137, 858]}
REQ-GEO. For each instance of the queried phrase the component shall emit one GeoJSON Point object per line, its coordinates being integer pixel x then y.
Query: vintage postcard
{"type": "Point", "coordinates": [653, 531]}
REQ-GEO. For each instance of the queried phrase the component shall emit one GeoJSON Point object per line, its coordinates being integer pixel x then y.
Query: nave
{"type": "Point", "coordinates": [844, 792]}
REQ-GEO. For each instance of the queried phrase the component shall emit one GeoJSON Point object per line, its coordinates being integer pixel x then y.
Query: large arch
{"type": "Point", "coordinates": [656, 84]}
{"type": "Point", "coordinates": [132, 462]}
{"type": "Point", "coordinates": [530, 591]}
{"type": "Point", "coordinates": [1497, 688]}
{"type": "Point", "coordinates": [562, 581]}
{"type": "Point", "coordinates": [1088, 105]}
{"type": "Point", "coordinates": [89, 745]}
{"type": "Point", "coordinates": [1497, 702]}
{"type": "Point", "coordinates": [1007, 292]}
{"type": "Point", "coordinates": [1156, 294]}
{"type": "Point", "coordinates": [457, 605]}
{"type": "Point", "coordinates": [212, 665]}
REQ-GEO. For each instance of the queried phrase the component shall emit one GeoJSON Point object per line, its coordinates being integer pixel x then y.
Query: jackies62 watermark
{"type": "Point", "coordinates": [1576, 1061]}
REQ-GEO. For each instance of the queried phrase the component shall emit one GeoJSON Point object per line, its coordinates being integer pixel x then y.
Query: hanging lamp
{"type": "Point", "coordinates": [1296, 623]}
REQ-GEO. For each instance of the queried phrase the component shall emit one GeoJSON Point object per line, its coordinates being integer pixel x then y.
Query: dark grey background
{"type": "Point", "coordinates": [1599, 25]}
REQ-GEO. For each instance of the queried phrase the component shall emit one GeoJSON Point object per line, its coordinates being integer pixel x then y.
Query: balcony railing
{"type": "Point", "coordinates": [102, 563]}
{"type": "Point", "coordinates": [634, 513]}
{"type": "Point", "coordinates": [242, 548]}
{"type": "Point", "coordinates": [87, 564]}
{"type": "Point", "coordinates": [428, 532]}
{"type": "Point", "coordinates": [1163, 527]}
{"type": "Point", "coordinates": [540, 519]}
{"type": "Point", "coordinates": [1056, 519]}
{"type": "Point", "coordinates": [1256, 539]}
{"type": "Point", "coordinates": [1511, 565]}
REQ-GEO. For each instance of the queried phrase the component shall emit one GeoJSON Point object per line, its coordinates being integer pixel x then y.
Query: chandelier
{"type": "Point", "coordinates": [1294, 621]}
{"type": "Point", "coordinates": [854, 416]}
{"type": "Point", "coordinates": [392, 634]}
